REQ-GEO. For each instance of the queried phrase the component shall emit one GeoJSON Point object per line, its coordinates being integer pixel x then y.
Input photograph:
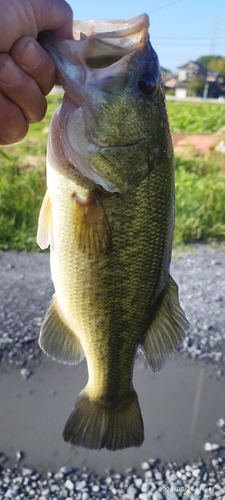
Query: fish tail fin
{"type": "Point", "coordinates": [95, 425]}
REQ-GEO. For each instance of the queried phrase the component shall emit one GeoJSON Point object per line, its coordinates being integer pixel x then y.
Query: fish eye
{"type": "Point", "coordinates": [147, 84]}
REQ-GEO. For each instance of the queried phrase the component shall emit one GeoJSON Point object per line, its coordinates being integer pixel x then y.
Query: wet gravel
{"type": "Point", "coordinates": [25, 291]}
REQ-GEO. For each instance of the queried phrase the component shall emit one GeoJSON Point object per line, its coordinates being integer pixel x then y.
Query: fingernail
{"type": "Point", "coordinates": [30, 56]}
{"type": "Point", "coordinates": [9, 74]}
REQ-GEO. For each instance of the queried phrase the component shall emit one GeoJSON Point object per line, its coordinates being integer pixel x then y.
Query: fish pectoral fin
{"type": "Point", "coordinates": [57, 340]}
{"type": "Point", "coordinates": [93, 235]}
{"type": "Point", "coordinates": [44, 223]}
{"type": "Point", "coordinates": [167, 329]}
{"type": "Point", "coordinates": [94, 425]}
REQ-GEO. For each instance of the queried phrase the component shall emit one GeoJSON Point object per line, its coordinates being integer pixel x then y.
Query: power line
{"type": "Point", "coordinates": [207, 39]}
{"type": "Point", "coordinates": [161, 42]}
{"type": "Point", "coordinates": [206, 45]}
{"type": "Point", "coordinates": [163, 6]}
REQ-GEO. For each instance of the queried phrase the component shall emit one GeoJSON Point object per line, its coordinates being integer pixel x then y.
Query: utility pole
{"type": "Point", "coordinates": [214, 35]}
{"type": "Point", "coordinates": [206, 90]}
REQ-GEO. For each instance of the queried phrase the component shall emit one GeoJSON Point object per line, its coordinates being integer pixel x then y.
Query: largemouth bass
{"type": "Point", "coordinates": [108, 216]}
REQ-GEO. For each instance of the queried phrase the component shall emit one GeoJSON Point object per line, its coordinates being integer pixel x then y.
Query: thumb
{"type": "Point", "coordinates": [54, 15]}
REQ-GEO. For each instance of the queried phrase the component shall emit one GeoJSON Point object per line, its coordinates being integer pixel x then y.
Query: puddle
{"type": "Point", "coordinates": [180, 407]}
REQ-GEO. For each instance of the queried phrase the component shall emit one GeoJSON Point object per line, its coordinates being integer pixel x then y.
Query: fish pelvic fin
{"type": "Point", "coordinates": [56, 338]}
{"type": "Point", "coordinates": [167, 330]}
{"type": "Point", "coordinates": [94, 425]}
{"type": "Point", "coordinates": [93, 235]}
{"type": "Point", "coordinates": [45, 223]}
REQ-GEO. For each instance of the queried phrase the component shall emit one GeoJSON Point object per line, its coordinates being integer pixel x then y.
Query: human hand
{"type": "Point", "coordinates": [27, 73]}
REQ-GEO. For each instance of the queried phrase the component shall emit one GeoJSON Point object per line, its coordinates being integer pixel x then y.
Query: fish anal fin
{"type": "Point", "coordinates": [94, 425]}
{"type": "Point", "coordinates": [57, 340]}
{"type": "Point", "coordinates": [91, 225]}
{"type": "Point", "coordinates": [167, 329]}
{"type": "Point", "coordinates": [44, 223]}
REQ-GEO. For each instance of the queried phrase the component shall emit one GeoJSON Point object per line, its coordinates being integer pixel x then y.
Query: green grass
{"type": "Point", "coordinates": [200, 181]}
{"type": "Point", "coordinates": [21, 193]}
{"type": "Point", "coordinates": [200, 199]}
{"type": "Point", "coordinates": [22, 185]}
{"type": "Point", "coordinates": [196, 118]}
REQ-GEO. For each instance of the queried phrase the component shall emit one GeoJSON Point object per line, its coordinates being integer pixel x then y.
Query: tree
{"type": "Point", "coordinates": [196, 86]}
{"type": "Point", "coordinates": [213, 63]}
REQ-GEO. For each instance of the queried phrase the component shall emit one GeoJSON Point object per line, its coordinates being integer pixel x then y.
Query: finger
{"type": "Point", "coordinates": [13, 125]}
{"type": "Point", "coordinates": [21, 89]}
{"type": "Point", "coordinates": [54, 15]}
{"type": "Point", "coordinates": [34, 60]}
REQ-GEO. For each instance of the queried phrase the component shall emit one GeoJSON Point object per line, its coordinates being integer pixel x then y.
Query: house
{"type": "Point", "coordinates": [191, 70]}
{"type": "Point", "coordinates": [208, 83]}
{"type": "Point", "coordinates": [169, 79]}
{"type": "Point", "coordinates": [215, 83]}
{"type": "Point", "coordinates": [187, 73]}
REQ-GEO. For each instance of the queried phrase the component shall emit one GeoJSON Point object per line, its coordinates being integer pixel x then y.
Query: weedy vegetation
{"type": "Point", "coordinates": [196, 117]}
{"type": "Point", "coordinates": [23, 184]}
{"type": "Point", "coordinates": [200, 199]}
{"type": "Point", "coordinates": [199, 180]}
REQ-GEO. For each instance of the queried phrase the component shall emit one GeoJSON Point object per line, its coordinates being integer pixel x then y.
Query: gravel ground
{"type": "Point", "coordinates": [158, 481]}
{"type": "Point", "coordinates": [26, 289]}
{"type": "Point", "coordinates": [200, 275]}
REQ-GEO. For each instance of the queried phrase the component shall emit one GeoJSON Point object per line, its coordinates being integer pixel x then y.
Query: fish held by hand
{"type": "Point", "coordinates": [108, 216]}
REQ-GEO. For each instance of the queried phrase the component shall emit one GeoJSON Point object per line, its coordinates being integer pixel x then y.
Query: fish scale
{"type": "Point", "coordinates": [108, 216]}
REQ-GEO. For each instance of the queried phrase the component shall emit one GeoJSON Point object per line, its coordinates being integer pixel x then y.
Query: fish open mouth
{"type": "Point", "coordinates": [97, 45]}
{"type": "Point", "coordinates": [110, 28]}
{"type": "Point", "coordinates": [92, 69]}
{"type": "Point", "coordinates": [106, 42]}
{"type": "Point", "coordinates": [116, 32]}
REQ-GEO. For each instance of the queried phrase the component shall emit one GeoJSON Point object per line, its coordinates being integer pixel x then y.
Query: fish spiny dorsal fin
{"type": "Point", "coordinates": [45, 223]}
{"type": "Point", "coordinates": [94, 425]}
{"type": "Point", "coordinates": [57, 340]}
{"type": "Point", "coordinates": [91, 225]}
{"type": "Point", "coordinates": [167, 330]}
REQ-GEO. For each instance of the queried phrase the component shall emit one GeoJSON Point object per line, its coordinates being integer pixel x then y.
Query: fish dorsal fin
{"type": "Point", "coordinates": [167, 329]}
{"type": "Point", "coordinates": [45, 223]}
{"type": "Point", "coordinates": [93, 235]}
{"type": "Point", "coordinates": [57, 340]}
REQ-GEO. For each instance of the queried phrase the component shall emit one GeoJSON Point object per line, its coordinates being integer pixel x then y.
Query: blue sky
{"type": "Point", "coordinates": [179, 31]}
